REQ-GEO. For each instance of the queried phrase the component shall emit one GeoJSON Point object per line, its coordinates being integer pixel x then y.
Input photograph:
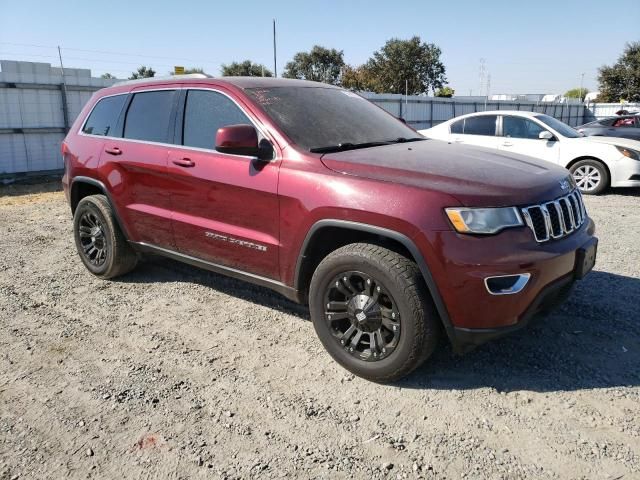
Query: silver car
{"type": "Point", "coordinates": [625, 126]}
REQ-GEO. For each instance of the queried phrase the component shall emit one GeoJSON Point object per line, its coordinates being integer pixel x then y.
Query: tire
{"type": "Point", "coordinates": [591, 176]}
{"type": "Point", "coordinates": [100, 243]}
{"type": "Point", "coordinates": [401, 294]}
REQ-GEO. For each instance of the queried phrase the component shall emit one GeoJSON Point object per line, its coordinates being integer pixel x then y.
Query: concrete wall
{"type": "Point", "coordinates": [32, 112]}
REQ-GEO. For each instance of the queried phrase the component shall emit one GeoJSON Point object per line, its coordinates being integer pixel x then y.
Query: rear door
{"type": "Point", "coordinates": [225, 207]}
{"type": "Point", "coordinates": [478, 130]}
{"type": "Point", "coordinates": [521, 135]}
{"type": "Point", "coordinates": [136, 165]}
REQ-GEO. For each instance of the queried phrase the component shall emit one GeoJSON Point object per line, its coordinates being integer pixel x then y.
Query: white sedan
{"type": "Point", "coordinates": [595, 162]}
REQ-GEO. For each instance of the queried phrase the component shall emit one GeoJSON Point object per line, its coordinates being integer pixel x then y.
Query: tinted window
{"type": "Point", "coordinates": [457, 127]}
{"type": "Point", "coordinates": [104, 116]}
{"type": "Point", "coordinates": [317, 117]}
{"type": "Point", "coordinates": [204, 113]}
{"type": "Point", "coordinates": [149, 115]}
{"type": "Point", "coordinates": [518, 127]}
{"type": "Point", "coordinates": [481, 125]}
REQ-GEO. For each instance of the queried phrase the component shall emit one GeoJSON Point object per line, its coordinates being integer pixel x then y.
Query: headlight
{"type": "Point", "coordinates": [483, 220]}
{"type": "Point", "coordinates": [627, 152]}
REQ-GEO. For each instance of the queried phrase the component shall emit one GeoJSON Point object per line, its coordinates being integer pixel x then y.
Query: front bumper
{"type": "Point", "coordinates": [551, 296]}
{"type": "Point", "coordinates": [625, 172]}
{"type": "Point", "coordinates": [461, 263]}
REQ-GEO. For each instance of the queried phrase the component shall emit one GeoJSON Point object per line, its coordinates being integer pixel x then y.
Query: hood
{"type": "Point", "coordinates": [622, 142]}
{"type": "Point", "coordinates": [475, 176]}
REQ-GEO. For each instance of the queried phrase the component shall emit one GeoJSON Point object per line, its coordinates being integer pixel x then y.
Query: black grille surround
{"type": "Point", "coordinates": [557, 218]}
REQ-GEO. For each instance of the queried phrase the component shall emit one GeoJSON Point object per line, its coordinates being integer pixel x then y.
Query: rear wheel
{"type": "Point", "coordinates": [591, 176]}
{"type": "Point", "coordinates": [371, 311]}
{"type": "Point", "coordinates": [101, 245]}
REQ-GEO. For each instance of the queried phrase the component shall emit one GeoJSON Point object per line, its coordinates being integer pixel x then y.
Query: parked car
{"type": "Point", "coordinates": [595, 162]}
{"type": "Point", "coordinates": [318, 194]}
{"type": "Point", "coordinates": [626, 126]}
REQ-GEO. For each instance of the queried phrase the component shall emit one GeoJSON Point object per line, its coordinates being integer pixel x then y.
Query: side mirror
{"type": "Point", "coordinates": [238, 140]}
{"type": "Point", "coordinates": [546, 135]}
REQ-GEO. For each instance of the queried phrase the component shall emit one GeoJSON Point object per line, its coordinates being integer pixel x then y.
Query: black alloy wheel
{"type": "Point", "coordinates": [362, 316]}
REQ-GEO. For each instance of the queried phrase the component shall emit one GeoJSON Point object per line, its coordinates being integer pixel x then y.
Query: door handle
{"type": "Point", "coordinates": [457, 140]}
{"type": "Point", "coordinates": [184, 162]}
{"type": "Point", "coordinates": [113, 151]}
{"type": "Point", "coordinates": [507, 144]}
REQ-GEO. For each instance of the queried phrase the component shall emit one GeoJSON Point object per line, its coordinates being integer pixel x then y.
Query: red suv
{"type": "Point", "coordinates": [318, 194]}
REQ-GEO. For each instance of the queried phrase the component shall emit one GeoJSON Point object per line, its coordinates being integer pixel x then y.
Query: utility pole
{"type": "Point", "coordinates": [581, 82]}
{"type": "Point", "coordinates": [275, 64]}
{"type": "Point", "coordinates": [63, 90]}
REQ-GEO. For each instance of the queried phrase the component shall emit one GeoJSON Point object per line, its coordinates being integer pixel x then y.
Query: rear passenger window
{"type": "Point", "coordinates": [104, 116]}
{"type": "Point", "coordinates": [457, 127]}
{"type": "Point", "coordinates": [481, 125]}
{"type": "Point", "coordinates": [205, 112]}
{"type": "Point", "coordinates": [149, 115]}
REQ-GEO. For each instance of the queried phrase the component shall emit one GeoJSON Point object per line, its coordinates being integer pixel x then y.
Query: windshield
{"type": "Point", "coordinates": [318, 118]}
{"type": "Point", "coordinates": [560, 127]}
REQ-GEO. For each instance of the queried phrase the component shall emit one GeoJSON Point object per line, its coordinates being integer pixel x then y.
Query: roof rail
{"type": "Point", "coordinates": [163, 79]}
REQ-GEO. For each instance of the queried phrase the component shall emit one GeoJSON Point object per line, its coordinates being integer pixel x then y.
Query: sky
{"type": "Point", "coordinates": [527, 47]}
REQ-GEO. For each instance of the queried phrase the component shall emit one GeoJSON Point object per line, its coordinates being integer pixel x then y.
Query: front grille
{"type": "Point", "coordinates": [556, 219]}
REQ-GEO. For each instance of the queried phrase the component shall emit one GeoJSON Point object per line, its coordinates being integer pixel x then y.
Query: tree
{"type": "Point", "coordinates": [107, 76]}
{"type": "Point", "coordinates": [358, 78]}
{"type": "Point", "coordinates": [621, 80]}
{"type": "Point", "coordinates": [577, 93]}
{"type": "Point", "coordinates": [187, 71]}
{"type": "Point", "coordinates": [245, 69]}
{"type": "Point", "coordinates": [143, 72]}
{"type": "Point", "coordinates": [320, 65]}
{"type": "Point", "coordinates": [446, 92]}
{"type": "Point", "coordinates": [407, 63]}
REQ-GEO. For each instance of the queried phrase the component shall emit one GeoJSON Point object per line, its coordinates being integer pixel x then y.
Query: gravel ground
{"type": "Point", "coordinates": [173, 372]}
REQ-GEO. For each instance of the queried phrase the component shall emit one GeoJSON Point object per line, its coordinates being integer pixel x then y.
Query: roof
{"type": "Point", "coordinates": [241, 82]}
{"type": "Point", "coordinates": [522, 113]}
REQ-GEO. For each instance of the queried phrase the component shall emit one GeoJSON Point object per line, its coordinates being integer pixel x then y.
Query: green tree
{"type": "Point", "coordinates": [446, 92]}
{"type": "Point", "coordinates": [189, 70]}
{"type": "Point", "coordinates": [358, 78]}
{"type": "Point", "coordinates": [107, 76]}
{"type": "Point", "coordinates": [143, 72]}
{"type": "Point", "coordinates": [622, 79]}
{"type": "Point", "coordinates": [245, 69]}
{"type": "Point", "coordinates": [577, 93]}
{"type": "Point", "coordinates": [410, 63]}
{"type": "Point", "coordinates": [320, 65]}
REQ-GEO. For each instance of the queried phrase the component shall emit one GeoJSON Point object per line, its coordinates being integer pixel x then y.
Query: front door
{"type": "Point", "coordinates": [521, 135]}
{"type": "Point", "coordinates": [225, 207]}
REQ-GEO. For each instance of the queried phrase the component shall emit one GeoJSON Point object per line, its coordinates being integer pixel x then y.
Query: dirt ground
{"type": "Point", "coordinates": [173, 372]}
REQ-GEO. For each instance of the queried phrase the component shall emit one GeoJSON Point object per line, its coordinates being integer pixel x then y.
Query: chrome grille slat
{"type": "Point", "coordinates": [555, 219]}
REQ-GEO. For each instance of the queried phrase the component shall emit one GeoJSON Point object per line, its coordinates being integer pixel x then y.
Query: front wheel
{"type": "Point", "coordinates": [371, 311]}
{"type": "Point", "coordinates": [591, 176]}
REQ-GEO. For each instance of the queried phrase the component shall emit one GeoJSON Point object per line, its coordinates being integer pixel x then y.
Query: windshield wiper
{"type": "Point", "coordinates": [341, 147]}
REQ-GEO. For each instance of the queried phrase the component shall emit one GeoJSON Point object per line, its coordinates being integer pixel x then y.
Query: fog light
{"type": "Point", "coordinates": [506, 284]}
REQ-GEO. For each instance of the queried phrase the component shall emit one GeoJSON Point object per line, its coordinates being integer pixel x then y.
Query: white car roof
{"type": "Point", "coordinates": [517, 113]}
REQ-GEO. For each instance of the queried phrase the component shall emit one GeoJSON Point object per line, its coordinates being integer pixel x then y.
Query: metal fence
{"type": "Point", "coordinates": [596, 111]}
{"type": "Point", "coordinates": [425, 112]}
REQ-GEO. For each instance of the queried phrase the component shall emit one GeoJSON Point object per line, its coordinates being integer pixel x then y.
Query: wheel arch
{"type": "Point", "coordinates": [327, 235]}
{"type": "Point", "coordinates": [82, 187]}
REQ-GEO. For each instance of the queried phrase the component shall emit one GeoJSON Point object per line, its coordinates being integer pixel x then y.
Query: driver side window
{"type": "Point", "coordinates": [204, 113]}
{"type": "Point", "coordinates": [518, 127]}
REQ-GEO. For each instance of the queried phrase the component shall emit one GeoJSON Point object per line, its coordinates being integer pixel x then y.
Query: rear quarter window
{"type": "Point", "coordinates": [457, 127]}
{"type": "Point", "coordinates": [104, 116]}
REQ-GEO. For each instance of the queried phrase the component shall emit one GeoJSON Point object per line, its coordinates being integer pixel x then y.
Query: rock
{"type": "Point", "coordinates": [354, 418]}
{"type": "Point", "coordinates": [89, 452]}
{"type": "Point", "coordinates": [387, 466]}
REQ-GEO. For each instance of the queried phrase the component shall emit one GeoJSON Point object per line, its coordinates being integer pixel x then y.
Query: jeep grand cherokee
{"type": "Point", "coordinates": [318, 194]}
